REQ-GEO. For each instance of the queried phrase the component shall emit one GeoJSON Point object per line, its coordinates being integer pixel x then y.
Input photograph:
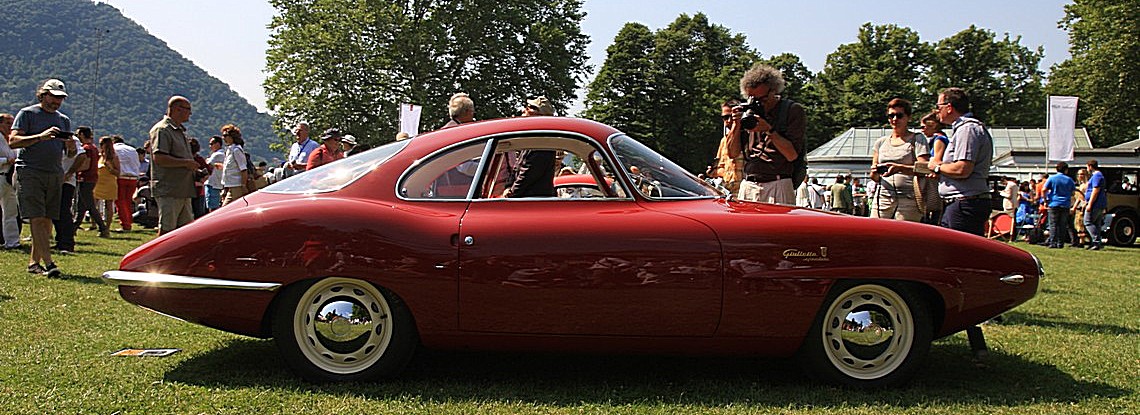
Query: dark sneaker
{"type": "Point", "coordinates": [1098, 247]}
{"type": "Point", "coordinates": [51, 270]}
{"type": "Point", "coordinates": [36, 268]}
{"type": "Point", "coordinates": [104, 233]}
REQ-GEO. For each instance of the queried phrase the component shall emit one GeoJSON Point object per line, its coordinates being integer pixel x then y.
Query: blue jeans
{"type": "Point", "coordinates": [1058, 226]}
{"type": "Point", "coordinates": [1094, 219]}
{"type": "Point", "coordinates": [969, 215]}
{"type": "Point", "coordinates": [213, 198]}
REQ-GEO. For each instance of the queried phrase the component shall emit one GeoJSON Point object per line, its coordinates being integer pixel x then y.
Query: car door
{"type": "Point", "coordinates": [599, 266]}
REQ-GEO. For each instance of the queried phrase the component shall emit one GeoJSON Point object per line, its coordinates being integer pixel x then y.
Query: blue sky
{"type": "Point", "coordinates": [228, 37]}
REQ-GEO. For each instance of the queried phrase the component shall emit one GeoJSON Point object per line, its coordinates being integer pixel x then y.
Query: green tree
{"type": "Point", "coordinates": [619, 94]}
{"type": "Point", "coordinates": [351, 63]}
{"type": "Point", "coordinates": [1104, 41]}
{"type": "Point", "coordinates": [673, 81]}
{"type": "Point", "coordinates": [1001, 76]}
{"type": "Point", "coordinates": [802, 88]}
{"type": "Point", "coordinates": [859, 78]}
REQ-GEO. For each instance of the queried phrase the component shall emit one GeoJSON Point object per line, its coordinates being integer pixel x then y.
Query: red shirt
{"type": "Point", "coordinates": [91, 175]}
{"type": "Point", "coordinates": [322, 155]}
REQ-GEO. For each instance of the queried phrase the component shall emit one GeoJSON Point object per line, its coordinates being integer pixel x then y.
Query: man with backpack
{"type": "Point", "coordinates": [773, 148]}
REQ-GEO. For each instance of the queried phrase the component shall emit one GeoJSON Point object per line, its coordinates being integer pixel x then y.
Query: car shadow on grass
{"type": "Point", "coordinates": [572, 380]}
{"type": "Point", "coordinates": [83, 279]}
{"type": "Point", "coordinates": [1061, 322]}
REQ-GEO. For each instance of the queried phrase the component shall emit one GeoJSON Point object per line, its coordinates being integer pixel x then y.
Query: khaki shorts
{"type": "Point", "coordinates": [173, 213]}
{"type": "Point", "coordinates": [38, 194]}
{"type": "Point", "coordinates": [231, 194]}
{"type": "Point", "coordinates": [778, 191]}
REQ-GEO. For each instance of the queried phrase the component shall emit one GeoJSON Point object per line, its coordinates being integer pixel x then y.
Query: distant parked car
{"type": "Point", "coordinates": [1123, 204]}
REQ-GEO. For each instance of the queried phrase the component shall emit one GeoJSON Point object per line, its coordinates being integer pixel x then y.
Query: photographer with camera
{"type": "Point", "coordinates": [43, 132]}
{"type": "Point", "coordinates": [772, 131]}
{"type": "Point", "coordinates": [729, 162]}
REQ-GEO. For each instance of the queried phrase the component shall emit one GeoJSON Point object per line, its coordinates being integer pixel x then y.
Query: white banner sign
{"type": "Point", "coordinates": [1062, 128]}
{"type": "Point", "coordinates": [410, 119]}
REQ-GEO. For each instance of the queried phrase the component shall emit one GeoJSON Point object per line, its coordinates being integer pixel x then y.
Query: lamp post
{"type": "Point", "coordinates": [95, 85]}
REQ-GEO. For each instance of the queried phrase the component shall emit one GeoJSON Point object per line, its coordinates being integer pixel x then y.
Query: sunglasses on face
{"type": "Point", "coordinates": [725, 117]}
{"type": "Point", "coordinates": [895, 116]}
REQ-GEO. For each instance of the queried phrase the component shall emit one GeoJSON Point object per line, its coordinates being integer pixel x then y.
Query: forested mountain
{"type": "Point", "coordinates": [118, 75]}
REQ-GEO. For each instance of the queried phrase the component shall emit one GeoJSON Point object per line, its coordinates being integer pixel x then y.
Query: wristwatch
{"type": "Point", "coordinates": [937, 168]}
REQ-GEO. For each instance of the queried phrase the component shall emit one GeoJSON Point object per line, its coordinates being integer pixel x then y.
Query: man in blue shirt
{"type": "Point", "coordinates": [44, 134]}
{"type": "Point", "coordinates": [1095, 205]}
{"type": "Point", "coordinates": [1059, 195]}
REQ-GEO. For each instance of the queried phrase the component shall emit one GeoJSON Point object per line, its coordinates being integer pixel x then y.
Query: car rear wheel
{"type": "Point", "coordinates": [868, 335]}
{"type": "Point", "coordinates": [1123, 229]}
{"type": "Point", "coordinates": [341, 329]}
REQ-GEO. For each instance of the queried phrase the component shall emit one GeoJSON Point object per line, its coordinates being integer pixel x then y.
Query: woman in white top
{"type": "Point", "coordinates": [216, 161]}
{"type": "Point", "coordinates": [892, 166]}
{"type": "Point", "coordinates": [9, 222]}
{"type": "Point", "coordinates": [234, 175]}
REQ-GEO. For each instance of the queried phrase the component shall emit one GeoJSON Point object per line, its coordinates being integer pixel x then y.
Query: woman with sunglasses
{"type": "Point", "coordinates": [892, 167]}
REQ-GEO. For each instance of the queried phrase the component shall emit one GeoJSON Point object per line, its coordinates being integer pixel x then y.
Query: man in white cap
{"type": "Point", "coordinates": [348, 143]}
{"type": "Point", "coordinates": [44, 134]}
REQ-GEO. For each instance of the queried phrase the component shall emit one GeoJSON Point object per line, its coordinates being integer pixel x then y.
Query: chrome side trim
{"type": "Point", "coordinates": [147, 279]}
{"type": "Point", "coordinates": [1040, 268]}
{"type": "Point", "coordinates": [1014, 279]}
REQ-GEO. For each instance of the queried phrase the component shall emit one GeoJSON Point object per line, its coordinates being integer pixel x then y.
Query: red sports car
{"type": "Point", "coordinates": [458, 239]}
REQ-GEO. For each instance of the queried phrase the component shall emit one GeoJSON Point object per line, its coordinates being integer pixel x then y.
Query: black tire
{"type": "Point", "coordinates": [1122, 232]}
{"type": "Point", "coordinates": [868, 334]}
{"type": "Point", "coordinates": [366, 332]}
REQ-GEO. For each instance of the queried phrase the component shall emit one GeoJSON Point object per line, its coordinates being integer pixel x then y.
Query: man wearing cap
{"type": "Point", "coordinates": [328, 152]}
{"type": "Point", "coordinates": [43, 132]}
{"type": "Point", "coordinates": [535, 175]}
{"type": "Point", "coordinates": [300, 151]}
{"type": "Point", "coordinates": [461, 109]}
{"type": "Point", "coordinates": [174, 167]}
{"type": "Point", "coordinates": [347, 144]}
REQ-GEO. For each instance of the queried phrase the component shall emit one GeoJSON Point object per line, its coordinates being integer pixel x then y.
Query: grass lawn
{"type": "Point", "coordinates": [1073, 349]}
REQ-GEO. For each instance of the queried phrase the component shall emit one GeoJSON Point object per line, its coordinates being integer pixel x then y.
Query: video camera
{"type": "Point", "coordinates": [64, 134]}
{"type": "Point", "coordinates": [753, 111]}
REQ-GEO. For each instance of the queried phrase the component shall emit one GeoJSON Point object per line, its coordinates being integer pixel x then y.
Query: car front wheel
{"type": "Point", "coordinates": [341, 329]}
{"type": "Point", "coordinates": [868, 335]}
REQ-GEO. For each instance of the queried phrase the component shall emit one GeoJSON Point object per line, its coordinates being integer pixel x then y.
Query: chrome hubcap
{"type": "Point", "coordinates": [342, 325]}
{"type": "Point", "coordinates": [868, 332]}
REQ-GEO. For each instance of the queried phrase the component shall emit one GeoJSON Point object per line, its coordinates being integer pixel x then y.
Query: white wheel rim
{"type": "Point", "coordinates": [868, 332]}
{"type": "Point", "coordinates": [354, 331]}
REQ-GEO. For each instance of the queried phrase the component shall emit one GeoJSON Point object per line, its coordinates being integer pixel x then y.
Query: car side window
{"type": "Point", "coordinates": [548, 168]}
{"type": "Point", "coordinates": [446, 176]}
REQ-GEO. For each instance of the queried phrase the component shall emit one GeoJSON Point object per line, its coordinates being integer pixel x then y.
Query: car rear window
{"type": "Point", "coordinates": [337, 174]}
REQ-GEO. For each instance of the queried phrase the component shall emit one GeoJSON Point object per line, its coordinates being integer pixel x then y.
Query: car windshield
{"type": "Point", "coordinates": [655, 176]}
{"type": "Point", "coordinates": [337, 174]}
